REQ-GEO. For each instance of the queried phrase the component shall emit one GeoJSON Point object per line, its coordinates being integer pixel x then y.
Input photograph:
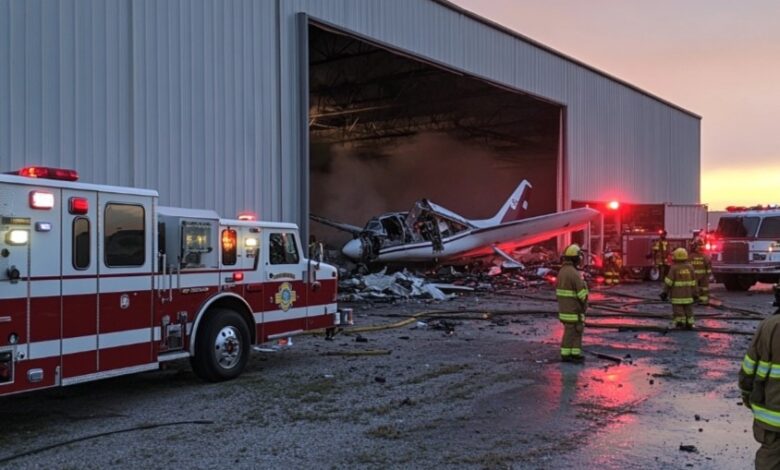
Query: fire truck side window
{"type": "Point", "coordinates": [283, 249]}
{"type": "Point", "coordinates": [124, 235]}
{"type": "Point", "coordinates": [770, 228]}
{"type": "Point", "coordinates": [81, 243]}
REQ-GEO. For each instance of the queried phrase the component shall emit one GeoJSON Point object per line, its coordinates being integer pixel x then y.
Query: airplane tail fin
{"type": "Point", "coordinates": [514, 207]}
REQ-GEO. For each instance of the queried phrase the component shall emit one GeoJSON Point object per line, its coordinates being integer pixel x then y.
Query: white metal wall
{"type": "Point", "coordinates": [200, 99]}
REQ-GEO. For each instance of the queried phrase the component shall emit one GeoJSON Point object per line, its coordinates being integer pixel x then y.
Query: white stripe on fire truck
{"type": "Point", "coordinates": [298, 312]}
{"type": "Point", "coordinates": [79, 344]}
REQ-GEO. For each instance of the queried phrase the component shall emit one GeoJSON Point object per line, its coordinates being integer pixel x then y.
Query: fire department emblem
{"type": "Point", "coordinates": [285, 297]}
{"type": "Point", "coordinates": [124, 301]}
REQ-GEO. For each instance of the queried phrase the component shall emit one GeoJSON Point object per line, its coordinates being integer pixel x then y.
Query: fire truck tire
{"type": "Point", "coordinates": [221, 347]}
{"type": "Point", "coordinates": [738, 283]}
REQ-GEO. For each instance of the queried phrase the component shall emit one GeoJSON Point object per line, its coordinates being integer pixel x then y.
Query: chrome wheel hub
{"type": "Point", "coordinates": [228, 347]}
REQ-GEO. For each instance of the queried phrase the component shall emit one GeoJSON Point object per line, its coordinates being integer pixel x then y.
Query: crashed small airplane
{"type": "Point", "coordinates": [432, 234]}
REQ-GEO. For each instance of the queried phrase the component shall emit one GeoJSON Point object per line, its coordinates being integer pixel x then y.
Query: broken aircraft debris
{"type": "Point", "coordinates": [432, 234]}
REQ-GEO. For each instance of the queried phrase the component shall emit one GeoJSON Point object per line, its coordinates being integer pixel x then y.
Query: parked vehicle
{"type": "Point", "coordinates": [98, 281]}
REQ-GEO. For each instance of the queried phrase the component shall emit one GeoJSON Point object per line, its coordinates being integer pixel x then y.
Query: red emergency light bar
{"type": "Point", "coordinates": [45, 172]}
{"type": "Point", "coordinates": [614, 205]}
{"type": "Point", "coordinates": [768, 207]}
{"type": "Point", "coordinates": [247, 216]}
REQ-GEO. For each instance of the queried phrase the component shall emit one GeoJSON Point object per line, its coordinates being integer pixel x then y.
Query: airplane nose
{"type": "Point", "coordinates": [353, 249]}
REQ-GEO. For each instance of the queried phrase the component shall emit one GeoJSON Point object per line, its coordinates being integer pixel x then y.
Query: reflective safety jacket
{"type": "Point", "coordinates": [702, 266]}
{"type": "Point", "coordinates": [680, 284]}
{"type": "Point", "coordinates": [572, 294]}
{"type": "Point", "coordinates": [660, 252]}
{"type": "Point", "coordinates": [759, 378]}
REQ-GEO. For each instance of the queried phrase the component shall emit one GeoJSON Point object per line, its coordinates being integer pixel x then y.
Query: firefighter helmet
{"type": "Point", "coordinates": [572, 250]}
{"type": "Point", "coordinates": [680, 254]}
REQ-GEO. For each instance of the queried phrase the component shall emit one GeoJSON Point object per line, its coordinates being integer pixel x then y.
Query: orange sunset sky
{"type": "Point", "coordinates": [717, 58]}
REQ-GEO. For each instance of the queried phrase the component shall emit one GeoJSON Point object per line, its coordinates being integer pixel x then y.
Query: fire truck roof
{"type": "Point", "coordinates": [50, 183]}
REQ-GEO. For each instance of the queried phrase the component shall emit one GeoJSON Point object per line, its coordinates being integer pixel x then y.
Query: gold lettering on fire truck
{"type": "Point", "coordinates": [285, 297]}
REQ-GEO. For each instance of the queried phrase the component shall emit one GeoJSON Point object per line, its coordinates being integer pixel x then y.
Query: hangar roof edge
{"type": "Point", "coordinates": [504, 29]}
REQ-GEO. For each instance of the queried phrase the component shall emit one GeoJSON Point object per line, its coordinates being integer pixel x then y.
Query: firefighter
{"type": "Point", "coordinates": [702, 269]}
{"type": "Point", "coordinates": [761, 388]}
{"type": "Point", "coordinates": [572, 294]}
{"type": "Point", "coordinates": [612, 266]}
{"type": "Point", "coordinates": [660, 255]}
{"type": "Point", "coordinates": [680, 288]}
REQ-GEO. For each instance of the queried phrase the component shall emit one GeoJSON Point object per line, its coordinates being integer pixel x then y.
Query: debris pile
{"type": "Point", "coordinates": [383, 287]}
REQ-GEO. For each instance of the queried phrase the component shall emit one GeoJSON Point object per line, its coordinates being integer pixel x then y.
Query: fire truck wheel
{"type": "Point", "coordinates": [737, 283]}
{"type": "Point", "coordinates": [653, 274]}
{"type": "Point", "coordinates": [222, 346]}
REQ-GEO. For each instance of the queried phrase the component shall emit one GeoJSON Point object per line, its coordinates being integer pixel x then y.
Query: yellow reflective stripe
{"type": "Point", "coordinates": [763, 368]}
{"type": "Point", "coordinates": [774, 371]}
{"type": "Point", "coordinates": [668, 282]}
{"type": "Point", "coordinates": [565, 293]}
{"type": "Point", "coordinates": [576, 352]}
{"type": "Point", "coordinates": [682, 301]}
{"type": "Point", "coordinates": [565, 351]}
{"type": "Point", "coordinates": [766, 416]}
{"type": "Point", "coordinates": [570, 317]}
{"type": "Point", "coordinates": [699, 271]}
{"type": "Point", "coordinates": [582, 294]}
{"type": "Point", "coordinates": [684, 284]}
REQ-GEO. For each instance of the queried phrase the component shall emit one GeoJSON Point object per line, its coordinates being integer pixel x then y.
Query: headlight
{"type": "Point", "coordinates": [17, 237]}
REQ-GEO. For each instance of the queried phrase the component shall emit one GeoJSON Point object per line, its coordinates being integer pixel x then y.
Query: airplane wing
{"type": "Point", "coordinates": [510, 236]}
{"type": "Point", "coordinates": [513, 263]}
{"type": "Point", "coordinates": [353, 229]}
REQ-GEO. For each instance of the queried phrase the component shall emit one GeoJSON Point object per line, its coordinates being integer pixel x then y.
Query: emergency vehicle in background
{"type": "Point", "coordinates": [98, 281]}
{"type": "Point", "coordinates": [631, 229]}
{"type": "Point", "coordinates": [745, 248]}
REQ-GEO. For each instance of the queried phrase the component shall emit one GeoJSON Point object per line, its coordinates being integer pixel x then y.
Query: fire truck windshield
{"type": "Point", "coordinates": [770, 228]}
{"type": "Point", "coordinates": [738, 227]}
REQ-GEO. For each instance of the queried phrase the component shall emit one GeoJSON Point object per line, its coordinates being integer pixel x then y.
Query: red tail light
{"type": "Point", "coordinates": [49, 173]}
{"type": "Point", "coordinates": [78, 205]}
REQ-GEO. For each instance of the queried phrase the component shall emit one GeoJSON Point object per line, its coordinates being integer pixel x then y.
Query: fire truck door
{"type": "Point", "coordinates": [126, 259]}
{"type": "Point", "coordinates": [79, 283]}
{"type": "Point", "coordinates": [248, 246]}
{"type": "Point", "coordinates": [285, 286]}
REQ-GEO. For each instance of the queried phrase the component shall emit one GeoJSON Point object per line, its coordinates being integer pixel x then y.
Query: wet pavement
{"type": "Point", "coordinates": [490, 395]}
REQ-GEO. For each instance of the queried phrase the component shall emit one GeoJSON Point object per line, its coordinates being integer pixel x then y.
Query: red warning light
{"type": "Point", "coordinates": [49, 173]}
{"type": "Point", "coordinates": [78, 205]}
{"type": "Point", "coordinates": [238, 277]}
{"type": "Point", "coordinates": [247, 216]}
{"type": "Point", "coordinates": [614, 205]}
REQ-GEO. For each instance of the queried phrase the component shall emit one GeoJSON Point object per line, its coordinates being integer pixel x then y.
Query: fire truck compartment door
{"type": "Point", "coordinates": [79, 283]}
{"type": "Point", "coordinates": [126, 256]}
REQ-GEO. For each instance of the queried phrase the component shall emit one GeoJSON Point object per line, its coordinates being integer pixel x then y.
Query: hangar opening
{"type": "Point", "coordinates": [387, 129]}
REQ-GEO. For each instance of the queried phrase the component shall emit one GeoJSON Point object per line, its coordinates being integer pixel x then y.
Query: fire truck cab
{"type": "Point", "coordinates": [98, 281]}
{"type": "Point", "coordinates": [746, 247]}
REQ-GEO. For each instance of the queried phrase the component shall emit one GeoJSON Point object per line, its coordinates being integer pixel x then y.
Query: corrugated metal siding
{"type": "Point", "coordinates": [200, 99]}
{"type": "Point", "coordinates": [178, 96]}
{"type": "Point", "coordinates": [681, 220]}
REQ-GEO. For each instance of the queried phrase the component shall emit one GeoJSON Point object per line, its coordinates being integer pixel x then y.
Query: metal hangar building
{"type": "Point", "coordinates": [343, 108]}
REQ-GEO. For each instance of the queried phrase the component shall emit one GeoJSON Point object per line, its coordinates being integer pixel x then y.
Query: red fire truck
{"type": "Point", "coordinates": [98, 281]}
